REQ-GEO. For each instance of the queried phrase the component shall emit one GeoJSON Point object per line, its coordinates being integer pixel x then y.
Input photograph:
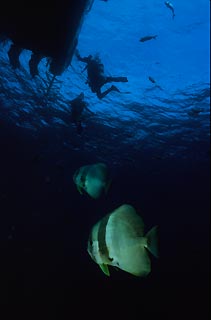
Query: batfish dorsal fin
{"type": "Point", "coordinates": [129, 222]}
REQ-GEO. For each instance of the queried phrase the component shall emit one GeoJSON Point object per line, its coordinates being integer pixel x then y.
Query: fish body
{"type": "Point", "coordinates": [147, 38]}
{"type": "Point", "coordinates": [93, 179]}
{"type": "Point", "coordinates": [152, 80]}
{"type": "Point", "coordinates": [171, 7]}
{"type": "Point", "coordinates": [118, 240]}
{"type": "Point", "coordinates": [156, 85]}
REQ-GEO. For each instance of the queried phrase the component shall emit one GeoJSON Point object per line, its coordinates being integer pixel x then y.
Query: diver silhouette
{"type": "Point", "coordinates": [96, 76]}
{"type": "Point", "coordinates": [78, 105]}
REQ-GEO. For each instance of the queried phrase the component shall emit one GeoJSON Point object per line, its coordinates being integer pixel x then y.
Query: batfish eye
{"type": "Point", "coordinates": [90, 241]}
{"type": "Point", "coordinates": [83, 180]}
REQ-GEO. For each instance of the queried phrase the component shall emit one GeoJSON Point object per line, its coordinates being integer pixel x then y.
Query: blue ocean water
{"type": "Point", "coordinates": [155, 138]}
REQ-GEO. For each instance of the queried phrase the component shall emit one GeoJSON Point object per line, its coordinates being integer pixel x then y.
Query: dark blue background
{"type": "Point", "coordinates": [44, 258]}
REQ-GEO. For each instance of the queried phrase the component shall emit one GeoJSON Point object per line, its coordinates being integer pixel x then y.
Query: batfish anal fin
{"type": "Point", "coordinates": [79, 189]}
{"type": "Point", "coordinates": [104, 268]}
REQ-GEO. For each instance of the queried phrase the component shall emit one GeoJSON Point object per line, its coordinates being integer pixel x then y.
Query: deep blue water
{"type": "Point", "coordinates": [156, 144]}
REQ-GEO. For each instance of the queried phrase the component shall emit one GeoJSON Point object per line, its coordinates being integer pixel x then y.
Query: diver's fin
{"type": "Point", "coordinates": [104, 268]}
{"type": "Point", "coordinates": [152, 241]}
{"type": "Point", "coordinates": [121, 79]}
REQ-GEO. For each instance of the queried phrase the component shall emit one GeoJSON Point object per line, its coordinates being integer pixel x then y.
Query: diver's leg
{"type": "Point", "coordinates": [101, 95]}
{"type": "Point", "coordinates": [79, 127]}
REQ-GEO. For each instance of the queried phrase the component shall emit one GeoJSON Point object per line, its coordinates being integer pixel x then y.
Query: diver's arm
{"type": "Point", "coordinates": [88, 110]}
{"type": "Point", "coordinates": [85, 59]}
{"type": "Point", "coordinates": [73, 100]}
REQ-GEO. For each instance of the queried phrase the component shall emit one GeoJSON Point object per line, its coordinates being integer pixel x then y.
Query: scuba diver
{"type": "Point", "coordinates": [78, 105]}
{"type": "Point", "coordinates": [96, 76]}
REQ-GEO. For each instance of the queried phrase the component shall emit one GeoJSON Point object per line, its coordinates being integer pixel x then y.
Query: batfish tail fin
{"type": "Point", "coordinates": [152, 241]}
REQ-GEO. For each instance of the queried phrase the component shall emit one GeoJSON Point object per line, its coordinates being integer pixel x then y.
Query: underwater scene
{"type": "Point", "coordinates": [105, 168]}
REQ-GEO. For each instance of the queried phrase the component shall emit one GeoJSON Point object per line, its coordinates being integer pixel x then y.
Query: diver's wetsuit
{"type": "Point", "coordinates": [96, 76]}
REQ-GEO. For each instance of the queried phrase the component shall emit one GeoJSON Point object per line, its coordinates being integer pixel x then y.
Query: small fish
{"type": "Point", "coordinates": [152, 80]}
{"type": "Point", "coordinates": [147, 38]}
{"type": "Point", "coordinates": [118, 240]}
{"type": "Point", "coordinates": [171, 7]}
{"type": "Point", "coordinates": [93, 179]}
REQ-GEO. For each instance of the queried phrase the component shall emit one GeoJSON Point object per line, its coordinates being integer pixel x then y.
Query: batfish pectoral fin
{"type": "Point", "coordinates": [104, 268]}
{"type": "Point", "coordinates": [79, 189]}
